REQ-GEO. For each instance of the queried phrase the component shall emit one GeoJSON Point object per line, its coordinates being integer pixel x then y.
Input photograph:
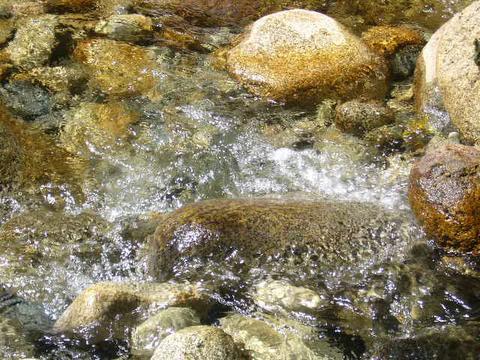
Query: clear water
{"type": "Point", "coordinates": [202, 140]}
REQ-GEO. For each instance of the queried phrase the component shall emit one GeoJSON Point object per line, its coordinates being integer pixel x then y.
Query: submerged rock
{"type": "Point", "coordinates": [198, 343]}
{"type": "Point", "coordinates": [97, 126]}
{"type": "Point", "coordinates": [30, 159]}
{"type": "Point", "coordinates": [128, 27]}
{"type": "Point", "coordinates": [147, 336]}
{"type": "Point", "coordinates": [119, 69]}
{"type": "Point", "coordinates": [107, 311]}
{"type": "Point", "coordinates": [34, 42]}
{"type": "Point", "coordinates": [248, 233]}
{"type": "Point", "coordinates": [26, 99]}
{"type": "Point", "coordinates": [357, 118]}
{"type": "Point", "coordinates": [281, 296]}
{"type": "Point", "coordinates": [264, 341]}
{"type": "Point", "coordinates": [445, 196]}
{"type": "Point", "coordinates": [304, 56]}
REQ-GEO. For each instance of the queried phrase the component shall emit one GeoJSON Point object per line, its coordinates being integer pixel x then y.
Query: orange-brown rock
{"type": "Point", "coordinates": [445, 196]}
{"type": "Point", "coordinates": [304, 56]}
{"type": "Point", "coordinates": [386, 40]}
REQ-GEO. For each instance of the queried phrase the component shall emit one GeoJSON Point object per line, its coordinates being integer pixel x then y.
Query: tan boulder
{"type": "Point", "coordinates": [304, 56]}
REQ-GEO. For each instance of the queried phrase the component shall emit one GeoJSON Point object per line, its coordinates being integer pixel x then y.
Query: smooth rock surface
{"type": "Point", "coordinates": [304, 56]}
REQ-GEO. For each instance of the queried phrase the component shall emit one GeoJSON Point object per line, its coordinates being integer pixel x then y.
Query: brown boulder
{"type": "Point", "coordinates": [445, 196]}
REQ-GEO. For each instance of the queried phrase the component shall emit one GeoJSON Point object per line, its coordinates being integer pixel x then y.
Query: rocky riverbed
{"type": "Point", "coordinates": [274, 179]}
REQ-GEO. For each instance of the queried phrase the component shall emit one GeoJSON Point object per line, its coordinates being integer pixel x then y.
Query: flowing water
{"type": "Point", "coordinates": [203, 139]}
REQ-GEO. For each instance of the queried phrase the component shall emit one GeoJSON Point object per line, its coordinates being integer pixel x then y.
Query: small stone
{"type": "Point", "coordinates": [147, 336]}
{"type": "Point", "coordinates": [198, 343]}
{"type": "Point", "coordinates": [34, 42]}
{"type": "Point", "coordinates": [357, 118]}
{"type": "Point", "coordinates": [128, 27]}
{"type": "Point", "coordinates": [281, 296]}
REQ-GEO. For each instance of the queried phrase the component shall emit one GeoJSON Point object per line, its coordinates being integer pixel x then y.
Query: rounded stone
{"type": "Point", "coordinates": [147, 336]}
{"type": "Point", "coordinates": [357, 118]}
{"type": "Point", "coordinates": [198, 343]}
{"type": "Point", "coordinates": [445, 196]}
{"type": "Point", "coordinates": [304, 56]}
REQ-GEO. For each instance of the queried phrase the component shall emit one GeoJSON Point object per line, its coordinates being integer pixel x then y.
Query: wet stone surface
{"type": "Point", "coordinates": [174, 183]}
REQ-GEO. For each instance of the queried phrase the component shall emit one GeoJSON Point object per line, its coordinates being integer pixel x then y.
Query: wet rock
{"type": "Point", "coordinates": [281, 296]}
{"type": "Point", "coordinates": [30, 159]}
{"type": "Point", "coordinates": [34, 42]}
{"type": "Point", "coordinates": [128, 27]}
{"type": "Point", "coordinates": [107, 311]}
{"type": "Point", "coordinates": [446, 72]}
{"type": "Point", "coordinates": [248, 233]}
{"type": "Point", "coordinates": [147, 336]}
{"type": "Point", "coordinates": [42, 236]}
{"type": "Point", "coordinates": [458, 74]}
{"type": "Point", "coordinates": [26, 99]}
{"type": "Point", "coordinates": [386, 138]}
{"type": "Point", "coordinates": [70, 5]}
{"type": "Point", "coordinates": [101, 126]}
{"type": "Point", "coordinates": [119, 69]}
{"type": "Point", "coordinates": [387, 40]}
{"type": "Point", "coordinates": [304, 56]}
{"type": "Point", "coordinates": [428, 13]}
{"type": "Point", "coordinates": [198, 343]}
{"type": "Point", "coordinates": [357, 118]}
{"type": "Point", "coordinates": [404, 61]}
{"type": "Point", "coordinates": [445, 196]}
{"type": "Point", "coordinates": [7, 28]}
{"type": "Point", "coordinates": [58, 79]}
{"type": "Point", "coordinates": [267, 341]}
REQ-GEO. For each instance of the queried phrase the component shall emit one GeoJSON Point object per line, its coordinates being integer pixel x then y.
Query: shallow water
{"type": "Point", "coordinates": [202, 140]}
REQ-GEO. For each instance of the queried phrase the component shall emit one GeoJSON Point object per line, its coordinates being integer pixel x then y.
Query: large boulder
{"type": "Point", "coordinates": [248, 233]}
{"type": "Point", "coordinates": [304, 56]}
{"type": "Point", "coordinates": [448, 77]}
{"type": "Point", "coordinates": [445, 196]}
{"type": "Point", "coordinates": [198, 343]}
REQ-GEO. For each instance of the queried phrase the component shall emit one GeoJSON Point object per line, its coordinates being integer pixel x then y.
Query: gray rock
{"type": "Point", "coordinates": [404, 61]}
{"type": "Point", "coordinates": [26, 99]}
{"type": "Point", "coordinates": [198, 343]}
{"type": "Point", "coordinates": [147, 336]}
